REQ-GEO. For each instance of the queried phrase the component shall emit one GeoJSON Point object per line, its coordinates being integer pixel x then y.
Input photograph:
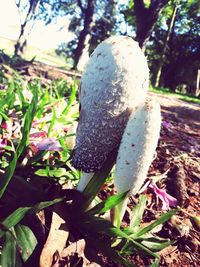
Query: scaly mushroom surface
{"type": "Point", "coordinates": [114, 83]}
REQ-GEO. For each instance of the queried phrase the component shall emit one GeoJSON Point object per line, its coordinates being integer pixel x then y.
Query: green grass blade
{"type": "Point", "coordinates": [71, 99]}
{"type": "Point", "coordinates": [46, 204]}
{"type": "Point", "coordinates": [137, 212]}
{"type": "Point", "coordinates": [163, 218]}
{"type": "Point", "coordinates": [155, 264]}
{"type": "Point", "coordinates": [9, 251]}
{"type": "Point", "coordinates": [27, 124]}
{"type": "Point", "coordinates": [9, 171]}
{"type": "Point", "coordinates": [97, 181]}
{"type": "Point", "coordinates": [156, 244]}
{"type": "Point", "coordinates": [108, 204]}
{"type": "Point", "coordinates": [52, 122]}
{"type": "Point", "coordinates": [7, 175]}
{"type": "Point", "coordinates": [93, 224]}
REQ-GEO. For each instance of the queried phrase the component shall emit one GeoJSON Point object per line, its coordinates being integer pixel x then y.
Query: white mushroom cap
{"type": "Point", "coordinates": [137, 147]}
{"type": "Point", "coordinates": [114, 82]}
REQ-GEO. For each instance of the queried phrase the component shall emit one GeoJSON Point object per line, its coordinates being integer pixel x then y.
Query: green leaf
{"type": "Point", "coordinates": [108, 204]}
{"type": "Point", "coordinates": [52, 173]}
{"type": "Point", "coordinates": [21, 97]}
{"type": "Point", "coordinates": [155, 264]}
{"type": "Point", "coordinates": [72, 98]}
{"type": "Point", "coordinates": [27, 124]}
{"type": "Point", "coordinates": [9, 171]}
{"type": "Point", "coordinates": [97, 181]}
{"type": "Point", "coordinates": [3, 114]}
{"type": "Point", "coordinates": [163, 218]}
{"type": "Point", "coordinates": [46, 204]}
{"type": "Point", "coordinates": [9, 251]}
{"type": "Point", "coordinates": [52, 122]}
{"type": "Point", "coordinates": [7, 175]}
{"type": "Point", "coordinates": [156, 244]}
{"type": "Point", "coordinates": [93, 224]}
{"type": "Point", "coordinates": [19, 214]}
{"type": "Point", "coordinates": [137, 212]}
{"type": "Point", "coordinates": [26, 240]}
{"type": "Point", "coordinates": [14, 218]}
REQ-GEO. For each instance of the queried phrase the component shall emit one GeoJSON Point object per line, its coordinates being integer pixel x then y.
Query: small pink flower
{"type": "Point", "coordinates": [42, 134]}
{"type": "Point", "coordinates": [167, 200]}
{"type": "Point", "coordinates": [167, 125]}
{"type": "Point", "coordinates": [3, 144]}
{"type": "Point", "coordinates": [4, 125]}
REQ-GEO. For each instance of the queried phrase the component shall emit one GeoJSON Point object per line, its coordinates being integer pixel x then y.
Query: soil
{"type": "Point", "coordinates": [178, 156]}
{"type": "Point", "coordinates": [177, 164]}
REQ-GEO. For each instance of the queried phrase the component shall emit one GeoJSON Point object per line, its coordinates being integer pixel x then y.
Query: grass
{"type": "Point", "coordinates": [184, 97]}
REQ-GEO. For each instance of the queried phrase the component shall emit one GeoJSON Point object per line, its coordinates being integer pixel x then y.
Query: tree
{"type": "Point", "coordinates": [144, 15]}
{"type": "Point", "coordinates": [105, 23]}
{"type": "Point", "coordinates": [166, 40]}
{"type": "Point", "coordinates": [181, 59]}
{"type": "Point", "coordinates": [31, 8]}
{"type": "Point", "coordinates": [91, 22]}
{"type": "Point", "coordinates": [84, 37]}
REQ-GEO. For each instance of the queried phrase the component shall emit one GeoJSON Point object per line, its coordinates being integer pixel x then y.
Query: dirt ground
{"type": "Point", "coordinates": [178, 155]}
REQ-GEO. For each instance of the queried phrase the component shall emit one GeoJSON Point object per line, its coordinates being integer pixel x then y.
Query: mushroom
{"type": "Point", "coordinates": [114, 83]}
{"type": "Point", "coordinates": [115, 114]}
{"type": "Point", "coordinates": [137, 149]}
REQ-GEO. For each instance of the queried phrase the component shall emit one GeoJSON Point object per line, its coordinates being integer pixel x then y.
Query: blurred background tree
{"type": "Point", "coordinates": [95, 21]}
{"type": "Point", "coordinates": [28, 12]}
{"type": "Point", "coordinates": [174, 48]}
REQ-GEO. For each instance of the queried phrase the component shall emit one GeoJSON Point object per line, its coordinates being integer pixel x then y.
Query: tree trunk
{"type": "Point", "coordinates": [26, 28]}
{"type": "Point", "coordinates": [197, 91]}
{"type": "Point", "coordinates": [84, 38]}
{"type": "Point", "coordinates": [146, 18]}
{"type": "Point", "coordinates": [160, 65]}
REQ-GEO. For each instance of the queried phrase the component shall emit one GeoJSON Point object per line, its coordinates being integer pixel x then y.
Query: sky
{"type": "Point", "coordinates": [43, 37]}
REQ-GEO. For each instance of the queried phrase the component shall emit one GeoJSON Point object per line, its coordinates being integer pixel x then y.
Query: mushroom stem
{"type": "Point", "coordinates": [136, 150]}
{"type": "Point", "coordinates": [84, 180]}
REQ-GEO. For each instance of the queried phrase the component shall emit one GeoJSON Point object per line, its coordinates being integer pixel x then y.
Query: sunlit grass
{"type": "Point", "coordinates": [168, 92]}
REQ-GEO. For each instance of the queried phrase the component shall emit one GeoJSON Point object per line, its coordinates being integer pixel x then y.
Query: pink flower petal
{"type": "Point", "coordinates": [3, 144]}
{"type": "Point", "coordinates": [38, 134]}
{"type": "Point", "coordinates": [49, 144]}
{"type": "Point", "coordinates": [167, 125]}
{"type": "Point", "coordinates": [4, 125]}
{"type": "Point", "coordinates": [167, 200]}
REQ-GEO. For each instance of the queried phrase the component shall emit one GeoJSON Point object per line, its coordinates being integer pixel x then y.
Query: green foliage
{"type": "Point", "coordinates": [181, 58]}
{"type": "Point", "coordinates": [131, 239]}
{"type": "Point", "coordinates": [18, 240]}
{"type": "Point", "coordinates": [29, 109]}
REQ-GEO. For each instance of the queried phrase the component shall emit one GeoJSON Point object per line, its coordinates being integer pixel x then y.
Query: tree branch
{"type": "Point", "coordinates": [80, 4]}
